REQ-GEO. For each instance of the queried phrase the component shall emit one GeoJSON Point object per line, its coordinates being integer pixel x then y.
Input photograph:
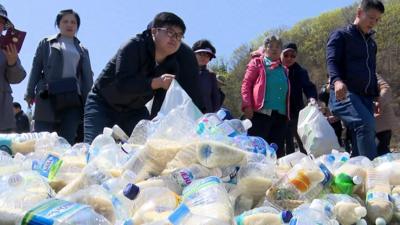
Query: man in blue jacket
{"type": "Point", "coordinates": [351, 63]}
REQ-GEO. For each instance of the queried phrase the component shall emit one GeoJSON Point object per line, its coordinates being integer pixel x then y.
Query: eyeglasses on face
{"type": "Point", "coordinates": [289, 56]}
{"type": "Point", "coordinates": [171, 33]}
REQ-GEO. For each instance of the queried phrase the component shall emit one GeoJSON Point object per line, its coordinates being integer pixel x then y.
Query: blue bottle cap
{"type": "Point", "coordinates": [274, 146]}
{"type": "Point", "coordinates": [286, 216]}
{"type": "Point", "coordinates": [131, 191]}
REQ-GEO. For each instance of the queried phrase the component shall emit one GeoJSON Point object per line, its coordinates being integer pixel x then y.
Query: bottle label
{"type": "Point", "coordinates": [183, 177]}
{"type": "Point", "coordinates": [51, 211]}
{"type": "Point", "coordinates": [200, 185]}
{"type": "Point", "coordinates": [327, 175]}
{"type": "Point", "coordinates": [301, 181]}
{"type": "Point", "coordinates": [371, 196]}
{"type": "Point", "coordinates": [50, 167]}
{"type": "Point", "coordinates": [179, 213]}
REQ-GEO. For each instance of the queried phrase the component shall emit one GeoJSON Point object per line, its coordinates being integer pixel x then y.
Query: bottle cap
{"type": "Point", "coordinates": [380, 221]}
{"type": "Point", "coordinates": [247, 124]}
{"type": "Point", "coordinates": [274, 146]}
{"type": "Point", "coordinates": [286, 216]}
{"type": "Point", "coordinates": [357, 180]}
{"type": "Point", "coordinates": [131, 191]}
{"type": "Point", "coordinates": [221, 114]}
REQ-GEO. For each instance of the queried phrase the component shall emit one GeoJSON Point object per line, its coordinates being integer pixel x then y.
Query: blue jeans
{"type": "Point", "coordinates": [98, 114]}
{"type": "Point", "coordinates": [67, 127]}
{"type": "Point", "coordinates": [357, 113]}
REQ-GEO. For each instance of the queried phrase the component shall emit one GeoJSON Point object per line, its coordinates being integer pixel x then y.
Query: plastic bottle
{"type": "Point", "coordinates": [60, 212]}
{"type": "Point", "coordinates": [208, 123]}
{"type": "Point", "coordinates": [114, 185]}
{"type": "Point", "coordinates": [266, 214]}
{"type": "Point", "coordinates": [149, 203]}
{"type": "Point", "coordinates": [379, 206]}
{"type": "Point", "coordinates": [119, 135]}
{"type": "Point", "coordinates": [100, 142]}
{"type": "Point", "coordinates": [208, 197]}
{"type": "Point", "coordinates": [388, 157]}
{"type": "Point", "coordinates": [305, 215]}
{"type": "Point", "coordinates": [295, 185]}
{"type": "Point", "coordinates": [213, 125]}
{"type": "Point", "coordinates": [291, 160]}
{"type": "Point", "coordinates": [343, 207]}
{"type": "Point", "coordinates": [256, 145]}
{"type": "Point", "coordinates": [183, 216]}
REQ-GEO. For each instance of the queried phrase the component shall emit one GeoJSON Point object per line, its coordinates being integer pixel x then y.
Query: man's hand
{"type": "Point", "coordinates": [377, 108]}
{"type": "Point", "coordinates": [11, 54]}
{"type": "Point", "coordinates": [248, 113]}
{"type": "Point", "coordinates": [340, 90]}
{"type": "Point", "coordinates": [332, 119]}
{"type": "Point", "coordinates": [162, 82]}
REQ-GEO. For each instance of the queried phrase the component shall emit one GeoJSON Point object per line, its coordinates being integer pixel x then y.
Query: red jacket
{"type": "Point", "coordinates": [254, 85]}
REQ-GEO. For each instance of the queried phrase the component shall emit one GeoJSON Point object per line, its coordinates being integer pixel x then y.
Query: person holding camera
{"type": "Point", "coordinates": [11, 72]}
{"type": "Point", "coordinates": [60, 79]}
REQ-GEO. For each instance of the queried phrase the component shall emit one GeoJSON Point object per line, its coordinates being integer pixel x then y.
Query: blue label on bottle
{"type": "Point", "coordinates": [327, 175]}
{"type": "Point", "coordinates": [51, 211]}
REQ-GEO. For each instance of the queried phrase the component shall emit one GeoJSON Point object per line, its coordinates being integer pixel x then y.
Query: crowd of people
{"type": "Point", "coordinates": [67, 99]}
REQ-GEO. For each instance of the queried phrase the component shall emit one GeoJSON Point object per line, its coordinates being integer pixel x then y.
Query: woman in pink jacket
{"type": "Point", "coordinates": [265, 93]}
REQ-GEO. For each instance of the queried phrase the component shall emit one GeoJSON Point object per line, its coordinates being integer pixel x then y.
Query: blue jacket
{"type": "Point", "coordinates": [351, 57]}
{"type": "Point", "coordinates": [299, 83]}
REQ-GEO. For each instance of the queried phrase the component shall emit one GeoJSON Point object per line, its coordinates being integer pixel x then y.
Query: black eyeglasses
{"type": "Point", "coordinates": [171, 33]}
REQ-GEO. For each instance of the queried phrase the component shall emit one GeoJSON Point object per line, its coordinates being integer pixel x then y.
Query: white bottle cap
{"type": "Point", "coordinates": [361, 222]}
{"type": "Point", "coordinates": [247, 124]}
{"type": "Point", "coordinates": [380, 221]}
{"type": "Point", "coordinates": [107, 131]}
{"type": "Point", "coordinates": [357, 180]}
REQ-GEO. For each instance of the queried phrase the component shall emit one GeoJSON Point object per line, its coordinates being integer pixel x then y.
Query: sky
{"type": "Point", "coordinates": [105, 25]}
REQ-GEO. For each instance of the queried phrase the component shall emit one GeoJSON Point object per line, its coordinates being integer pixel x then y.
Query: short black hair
{"type": "Point", "coordinates": [17, 105]}
{"type": "Point", "coordinates": [64, 12]}
{"type": "Point", "coordinates": [168, 19]}
{"type": "Point", "coordinates": [372, 4]}
{"type": "Point", "coordinates": [202, 44]}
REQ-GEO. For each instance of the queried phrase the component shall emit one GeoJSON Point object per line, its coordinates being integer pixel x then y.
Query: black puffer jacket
{"type": "Point", "coordinates": [125, 82]}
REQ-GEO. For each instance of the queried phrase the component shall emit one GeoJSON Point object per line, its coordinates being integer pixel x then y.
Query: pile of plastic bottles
{"type": "Point", "coordinates": [185, 172]}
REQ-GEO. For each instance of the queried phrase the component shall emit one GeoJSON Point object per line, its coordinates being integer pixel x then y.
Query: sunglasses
{"type": "Point", "coordinates": [289, 56]}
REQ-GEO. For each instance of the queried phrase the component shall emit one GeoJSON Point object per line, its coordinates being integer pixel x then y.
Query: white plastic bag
{"type": "Point", "coordinates": [316, 133]}
{"type": "Point", "coordinates": [176, 98]}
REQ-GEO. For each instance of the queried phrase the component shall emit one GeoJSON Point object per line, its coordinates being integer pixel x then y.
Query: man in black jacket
{"type": "Point", "coordinates": [299, 83]}
{"type": "Point", "coordinates": [21, 119]}
{"type": "Point", "coordinates": [351, 63]}
{"type": "Point", "coordinates": [143, 68]}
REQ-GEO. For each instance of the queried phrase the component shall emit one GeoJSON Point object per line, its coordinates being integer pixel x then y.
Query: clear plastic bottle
{"type": "Point", "coordinates": [305, 215]}
{"type": "Point", "coordinates": [388, 157]}
{"type": "Point", "coordinates": [149, 203]}
{"type": "Point", "coordinates": [295, 185]}
{"type": "Point", "coordinates": [256, 145]}
{"type": "Point", "coordinates": [100, 142]}
{"type": "Point", "coordinates": [183, 216]}
{"type": "Point", "coordinates": [265, 214]}
{"type": "Point", "coordinates": [61, 212]}
{"type": "Point", "coordinates": [208, 197]}
{"type": "Point", "coordinates": [379, 206]}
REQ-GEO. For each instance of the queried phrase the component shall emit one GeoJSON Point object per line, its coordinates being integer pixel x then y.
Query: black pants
{"type": "Point", "coordinates": [271, 128]}
{"type": "Point", "coordinates": [291, 132]}
{"type": "Point", "coordinates": [337, 127]}
{"type": "Point", "coordinates": [383, 142]}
